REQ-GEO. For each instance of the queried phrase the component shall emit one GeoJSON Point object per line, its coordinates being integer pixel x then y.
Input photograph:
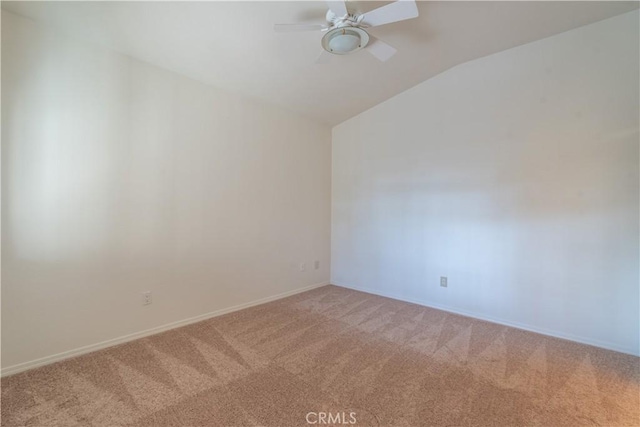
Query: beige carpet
{"type": "Point", "coordinates": [332, 350]}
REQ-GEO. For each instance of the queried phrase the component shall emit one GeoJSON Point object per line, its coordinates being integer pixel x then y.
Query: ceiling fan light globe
{"type": "Point", "coordinates": [342, 41]}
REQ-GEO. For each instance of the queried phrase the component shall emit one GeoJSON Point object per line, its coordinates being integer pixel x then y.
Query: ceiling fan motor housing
{"type": "Point", "coordinates": [348, 20]}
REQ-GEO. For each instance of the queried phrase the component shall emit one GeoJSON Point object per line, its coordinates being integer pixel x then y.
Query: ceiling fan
{"type": "Point", "coordinates": [346, 31]}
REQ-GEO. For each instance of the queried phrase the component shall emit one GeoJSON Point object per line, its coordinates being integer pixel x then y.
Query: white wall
{"type": "Point", "coordinates": [119, 177]}
{"type": "Point", "coordinates": [516, 176]}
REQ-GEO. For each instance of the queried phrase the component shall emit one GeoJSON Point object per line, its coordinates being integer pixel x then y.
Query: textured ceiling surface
{"type": "Point", "coordinates": [232, 45]}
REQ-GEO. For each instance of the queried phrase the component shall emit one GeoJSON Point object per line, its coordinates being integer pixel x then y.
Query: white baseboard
{"type": "Point", "coordinates": [14, 369]}
{"type": "Point", "coordinates": [542, 331]}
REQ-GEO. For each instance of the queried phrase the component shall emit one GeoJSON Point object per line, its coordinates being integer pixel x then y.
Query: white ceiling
{"type": "Point", "coordinates": [232, 44]}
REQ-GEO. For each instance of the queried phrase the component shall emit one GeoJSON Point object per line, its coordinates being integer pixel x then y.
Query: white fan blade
{"type": "Point", "coordinates": [286, 28]}
{"type": "Point", "coordinates": [338, 7]}
{"type": "Point", "coordinates": [380, 49]}
{"type": "Point", "coordinates": [324, 57]}
{"type": "Point", "coordinates": [394, 12]}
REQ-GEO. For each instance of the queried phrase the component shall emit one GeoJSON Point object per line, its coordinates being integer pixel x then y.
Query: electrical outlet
{"type": "Point", "coordinates": [316, 265]}
{"type": "Point", "coordinates": [443, 281]}
{"type": "Point", "coordinates": [303, 266]}
{"type": "Point", "coordinates": [146, 298]}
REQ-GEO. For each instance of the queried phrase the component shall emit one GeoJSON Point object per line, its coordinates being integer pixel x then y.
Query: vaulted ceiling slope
{"type": "Point", "coordinates": [232, 45]}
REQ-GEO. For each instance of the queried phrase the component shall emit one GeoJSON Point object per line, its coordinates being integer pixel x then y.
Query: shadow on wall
{"type": "Point", "coordinates": [505, 224]}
